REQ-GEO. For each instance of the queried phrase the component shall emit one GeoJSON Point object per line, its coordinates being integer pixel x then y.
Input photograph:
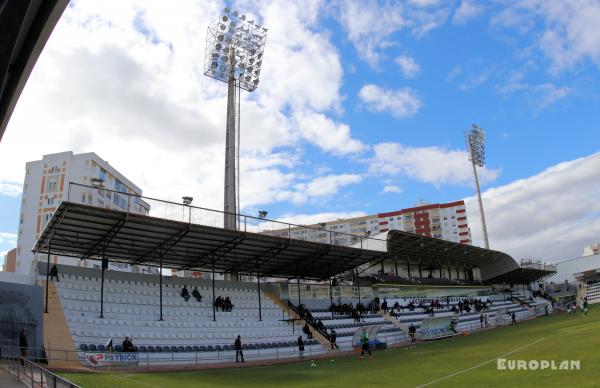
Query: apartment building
{"type": "Point", "coordinates": [446, 221]}
{"type": "Point", "coordinates": [47, 183]}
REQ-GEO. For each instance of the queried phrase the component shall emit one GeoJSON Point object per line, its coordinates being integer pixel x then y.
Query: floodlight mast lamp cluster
{"type": "Point", "coordinates": [234, 51]}
{"type": "Point", "coordinates": [476, 151]}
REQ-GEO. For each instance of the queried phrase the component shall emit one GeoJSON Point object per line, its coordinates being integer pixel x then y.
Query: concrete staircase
{"type": "Point", "coordinates": [300, 322]}
{"type": "Point", "coordinates": [397, 323]}
{"type": "Point", "coordinates": [58, 341]}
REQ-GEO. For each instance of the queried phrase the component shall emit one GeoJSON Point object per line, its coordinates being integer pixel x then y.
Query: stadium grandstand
{"type": "Point", "coordinates": [279, 290]}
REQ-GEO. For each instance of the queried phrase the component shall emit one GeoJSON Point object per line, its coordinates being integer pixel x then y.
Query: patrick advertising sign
{"type": "Point", "coordinates": [105, 359]}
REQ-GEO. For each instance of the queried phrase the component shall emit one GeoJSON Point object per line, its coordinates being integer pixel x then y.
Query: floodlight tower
{"type": "Point", "coordinates": [234, 50]}
{"type": "Point", "coordinates": [476, 150]}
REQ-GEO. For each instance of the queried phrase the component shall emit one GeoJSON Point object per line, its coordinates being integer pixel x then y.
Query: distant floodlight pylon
{"type": "Point", "coordinates": [234, 50]}
{"type": "Point", "coordinates": [475, 139]}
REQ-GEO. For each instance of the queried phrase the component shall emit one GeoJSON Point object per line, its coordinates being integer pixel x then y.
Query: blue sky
{"type": "Point", "coordinates": [355, 97]}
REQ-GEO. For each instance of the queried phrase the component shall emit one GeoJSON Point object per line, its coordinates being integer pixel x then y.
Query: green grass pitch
{"type": "Point", "coordinates": [468, 361]}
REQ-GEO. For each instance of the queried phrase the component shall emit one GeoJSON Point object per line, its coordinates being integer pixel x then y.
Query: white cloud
{"type": "Point", "coordinates": [542, 95]}
{"type": "Point", "coordinates": [570, 34]}
{"type": "Point", "coordinates": [551, 215]}
{"type": "Point", "coordinates": [392, 189]}
{"type": "Point", "coordinates": [400, 102]}
{"type": "Point", "coordinates": [311, 219]}
{"type": "Point", "coordinates": [408, 65]}
{"type": "Point", "coordinates": [551, 93]}
{"type": "Point", "coordinates": [325, 185]}
{"type": "Point", "coordinates": [124, 80]}
{"type": "Point", "coordinates": [475, 80]}
{"type": "Point", "coordinates": [369, 26]}
{"type": "Point", "coordinates": [10, 188]}
{"type": "Point", "coordinates": [424, 3]}
{"type": "Point", "coordinates": [433, 165]}
{"type": "Point", "coordinates": [466, 11]}
{"type": "Point", "coordinates": [8, 238]}
{"type": "Point", "coordinates": [277, 186]}
{"type": "Point", "coordinates": [332, 137]}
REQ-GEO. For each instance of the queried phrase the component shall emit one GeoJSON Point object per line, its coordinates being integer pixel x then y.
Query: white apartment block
{"type": "Point", "coordinates": [47, 184]}
{"type": "Point", "coordinates": [446, 221]}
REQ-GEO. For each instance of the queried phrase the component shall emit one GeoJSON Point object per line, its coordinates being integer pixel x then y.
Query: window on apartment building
{"type": "Point", "coordinates": [50, 201]}
{"type": "Point", "coordinates": [119, 186]}
{"type": "Point", "coordinates": [51, 185]}
{"type": "Point", "coordinates": [102, 174]}
{"type": "Point", "coordinates": [83, 198]}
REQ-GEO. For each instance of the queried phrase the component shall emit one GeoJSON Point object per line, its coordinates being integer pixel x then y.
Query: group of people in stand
{"type": "Point", "coordinates": [185, 294]}
{"type": "Point", "coordinates": [220, 302]}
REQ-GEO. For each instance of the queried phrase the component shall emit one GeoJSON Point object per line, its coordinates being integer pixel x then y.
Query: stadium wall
{"type": "Point", "coordinates": [21, 307]}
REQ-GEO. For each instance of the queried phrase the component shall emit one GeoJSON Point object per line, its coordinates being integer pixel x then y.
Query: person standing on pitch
{"type": "Point", "coordinates": [514, 318]}
{"type": "Point", "coordinates": [364, 340]}
{"type": "Point", "coordinates": [238, 349]}
{"type": "Point", "coordinates": [411, 331]}
{"type": "Point", "coordinates": [333, 339]}
{"type": "Point", "coordinates": [301, 347]}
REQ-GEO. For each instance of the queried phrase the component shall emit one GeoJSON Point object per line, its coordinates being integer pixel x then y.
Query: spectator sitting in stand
{"type": "Point", "coordinates": [128, 345]}
{"type": "Point", "coordinates": [227, 305]}
{"type": "Point", "coordinates": [196, 294]}
{"type": "Point", "coordinates": [219, 303]}
{"type": "Point", "coordinates": [384, 306]}
{"type": "Point", "coordinates": [185, 294]}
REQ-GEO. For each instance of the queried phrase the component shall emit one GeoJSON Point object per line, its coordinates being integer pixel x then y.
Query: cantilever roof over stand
{"type": "Point", "coordinates": [436, 252]}
{"type": "Point", "coordinates": [89, 232]}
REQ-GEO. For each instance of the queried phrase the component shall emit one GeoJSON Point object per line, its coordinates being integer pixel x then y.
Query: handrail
{"type": "Point", "coordinates": [32, 374]}
{"type": "Point", "coordinates": [284, 224]}
{"type": "Point", "coordinates": [312, 323]}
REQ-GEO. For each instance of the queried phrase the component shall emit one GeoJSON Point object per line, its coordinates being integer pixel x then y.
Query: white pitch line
{"type": "Point", "coordinates": [124, 377]}
{"type": "Point", "coordinates": [479, 365]}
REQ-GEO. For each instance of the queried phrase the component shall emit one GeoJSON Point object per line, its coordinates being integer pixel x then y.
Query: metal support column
{"type": "Point", "coordinates": [382, 268]}
{"type": "Point", "coordinates": [48, 274]}
{"type": "Point", "coordinates": [396, 268]}
{"type": "Point", "coordinates": [408, 267]}
{"type": "Point", "coordinates": [420, 272]}
{"type": "Point", "coordinates": [449, 273]}
{"type": "Point", "coordinates": [160, 288]}
{"type": "Point", "coordinates": [358, 285]}
{"type": "Point", "coordinates": [331, 296]}
{"type": "Point", "coordinates": [102, 287]}
{"type": "Point", "coordinates": [258, 289]}
{"type": "Point", "coordinates": [299, 291]}
{"type": "Point", "coordinates": [213, 292]}
{"type": "Point", "coordinates": [457, 273]}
